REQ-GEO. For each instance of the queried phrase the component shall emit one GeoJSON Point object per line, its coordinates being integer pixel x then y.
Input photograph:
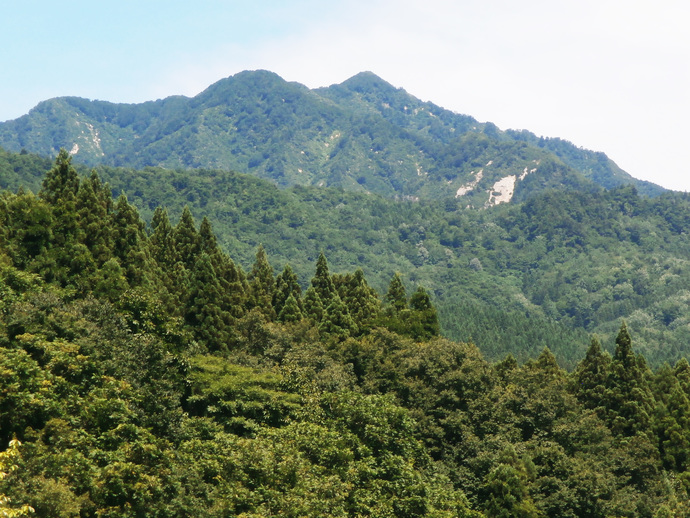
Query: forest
{"type": "Point", "coordinates": [145, 372]}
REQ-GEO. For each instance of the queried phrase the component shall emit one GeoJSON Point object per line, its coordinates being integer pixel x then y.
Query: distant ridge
{"type": "Point", "coordinates": [362, 135]}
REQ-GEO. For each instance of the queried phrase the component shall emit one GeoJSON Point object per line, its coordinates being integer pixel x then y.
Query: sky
{"type": "Point", "coordinates": [607, 75]}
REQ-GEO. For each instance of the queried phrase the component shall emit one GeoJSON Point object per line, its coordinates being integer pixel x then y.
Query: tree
{"type": "Point", "coordinates": [262, 285]}
{"type": "Point", "coordinates": [396, 296]}
{"type": "Point", "coordinates": [424, 318]}
{"type": "Point", "coordinates": [7, 465]}
{"type": "Point", "coordinates": [591, 374]}
{"type": "Point", "coordinates": [322, 282]}
{"type": "Point", "coordinates": [336, 320]}
{"type": "Point", "coordinates": [628, 399]}
{"type": "Point", "coordinates": [286, 285]}
{"type": "Point", "coordinates": [187, 240]}
{"type": "Point", "coordinates": [360, 299]}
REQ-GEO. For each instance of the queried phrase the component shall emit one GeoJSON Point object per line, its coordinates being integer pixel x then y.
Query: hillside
{"type": "Point", "coordinates": [549, 271]}
{"type": "Point", "coordinates": [146, 373]}
{"type": "Point", "coordinates": [362, 135]}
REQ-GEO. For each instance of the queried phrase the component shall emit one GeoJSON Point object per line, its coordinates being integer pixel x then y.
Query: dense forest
{"type": "Point", "coordinates": [145, 372]}
{"type": "Point", "coordinates": [362, 135]}
{"type": "Point", "coordinates": [547, 271]}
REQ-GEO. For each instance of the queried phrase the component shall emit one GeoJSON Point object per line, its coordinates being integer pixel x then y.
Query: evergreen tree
{"type": "Point", "coordinates": [361, 300]}
{"type": "Point", "coordinates": [591, 375]}
{"type": "Point", "coordinates": [322, 282]}
{"type": "Point", "coordinates": [286, 285]}
{"type": "Point", "coordinates": [313, 307]}
{"type": "Point", "coordinates": [290, 312]}
{"type": "Point", "coordinates": [130, 243]}
{"type": "Point", "coordinates": [162, 240]}
{"type": "Point", "coordinates": [336, 320]}
{"type": "Point", "coordinates": [210, 324]}
{"type": "Point", "coordinates": [262, 285]}
{"type": "Point", "coordinates": [61, 183]}
{"type": "Point", "coordinates": [396, 297]}
{"type": "Point", "coordinates": [94, 205]}
{"type": "Point", "coordinates": [424, 318]}
{"type": "Point", "coordinates": [628, 398]}
{"type": "Point", "coordinates": [672, 419]}
{"type": "Point", "coordinates": [187, 240]}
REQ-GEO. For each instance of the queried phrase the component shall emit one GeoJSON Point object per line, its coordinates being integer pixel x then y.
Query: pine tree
{"type": "Point", "coordinates": [61, 183]}
{"type": "Point", "coordinates": [94, 205]}
{"type": "Point", "coordinates": [290, 312]}
{"type": "Point", "coordinates": [591, 374]}
{"type": "Point", "coordinates": [187, 240]}
{"type": "Point", "coordinates": [162, 240]}
{"type": "Point", "coordinates": [424, 318]}
{"type": "Point", "coordinates": [672, 419]}
{"type": "Point", "coordinates": [313, 307]}
{"type": "Point", "coordinates": [360, 299]}
{"type": "Point", "coordinates": [286, 285]}
{"type": "Point", "coordinates": [322, 282]}
{"type": "Point", "coordinates": [209, 323]}
{"type": "Point", "coordinates": [262, 285]}
{"type": "Point", "coordinates": [396, 296]}
{"type": "Point", "coordinates": [628, 398]}
{"type": "Point", "coordinates": [337, 321]}
{"type": "Point", "coordinates": [130, 243]}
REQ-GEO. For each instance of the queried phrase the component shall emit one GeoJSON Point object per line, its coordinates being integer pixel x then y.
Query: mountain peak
{"type": "Point", "coordinates": [367, 81]}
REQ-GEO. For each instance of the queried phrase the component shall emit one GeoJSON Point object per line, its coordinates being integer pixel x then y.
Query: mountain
{"type": "Point", "coordinates": [362, 135]}
{"type": "Point", "coordinates": [549, 271]}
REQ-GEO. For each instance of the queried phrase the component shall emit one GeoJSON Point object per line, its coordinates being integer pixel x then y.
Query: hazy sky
{"type": "Point", "coordinates": [607, 75]}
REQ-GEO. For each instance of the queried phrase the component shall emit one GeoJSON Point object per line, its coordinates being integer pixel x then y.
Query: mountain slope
{"type": "Point", "coordinates": [361, 135]}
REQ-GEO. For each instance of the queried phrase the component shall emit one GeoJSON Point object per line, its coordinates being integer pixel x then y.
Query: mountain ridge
{"type": "Point", "coordinates": [363, 134]}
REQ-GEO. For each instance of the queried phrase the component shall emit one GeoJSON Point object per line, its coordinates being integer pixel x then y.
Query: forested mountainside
{"type": "Point", "coordinates": [362, 135]}
{"type": "Point", "coordinates": [514, 279]}
{"type": "Point", "coordinates": [147, 373]}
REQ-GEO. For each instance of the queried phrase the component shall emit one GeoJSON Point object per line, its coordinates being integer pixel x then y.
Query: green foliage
{"type": "Point", "coordinates": [146, 375]}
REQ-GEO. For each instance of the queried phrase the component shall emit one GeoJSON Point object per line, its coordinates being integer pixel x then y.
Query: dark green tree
{"type": "Point", "coordinates": [187, 240]}
{"type": "Point", "coordinates": [209, 322]}
{"type": "Point", "coordinates": [337, 321]}
{"type": "Point", "coordinates": [424, 318]}
{"type": "Point", "coordinates": [322, 281]}
{"type": "Point", "coordinates": [94, 205]}
{"type": "Point", "coordinates": [628, 399]}
{"type": "Point", "coordinates": [287, 285]}
{"type": "Point", "coordinates": [590, 376]}
{"type": "Point", "coordinates": [396, 297]}
{"type": "Point", "coordinates": [290, 312]}
{"type": "Point", "coordinates": [262, 285]}
{"type": "Point", "coordinates": [130, 243]}
{"type": "Point", "coordinates": [360, 299]}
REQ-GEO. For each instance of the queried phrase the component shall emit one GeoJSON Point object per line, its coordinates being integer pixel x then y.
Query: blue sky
{"type": "Point", "coordinates": [608, 75]}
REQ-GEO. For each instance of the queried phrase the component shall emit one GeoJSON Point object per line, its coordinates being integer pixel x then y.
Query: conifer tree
{"type": "Point", "coordinates": [262, 285]}
{"type": "Point", "coordinates": [424, 316]}
{"type": "Point", "coordinates": [209, 322]}
{"type": "Point", "coordinates": [286, 285]}
{"type": "Point", "coordinates": [360, 299]}
{"type": "Point", "coordinates": [61, 183]}
{"type": "Point", "coordinates": [130, 243]}
{"type": "Point", "coordinates": [336, 320]}
{"type": "Point", "coordinates": [396, 296]}
{"type": "Point", "coordinates": [162, 240]}
{"type": "Point", "coordinates": [313, 307]}
{"type": "Point", "coordinates": [290, 312]}
{"type": "Point", "coordinates": [628, 398]}
{"type": "Point", "coordinates": [672, 419]}
{"type": "Point", "coordinates": [591, 374]}
{"type": "Point", "coordinates": [322, 282]}
{"type": "Point", "coordinates": [94, 205]}
{"type": "Point", "coordinates": [187, 240]}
